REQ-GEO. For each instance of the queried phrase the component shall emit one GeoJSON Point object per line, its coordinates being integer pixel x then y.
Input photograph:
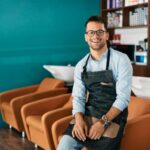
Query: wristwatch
{"type": "Point", "coordinates": [106, 123]}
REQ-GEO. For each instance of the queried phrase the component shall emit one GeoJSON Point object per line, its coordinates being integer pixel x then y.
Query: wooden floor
{"type": "Point", "coordinates": [11, 140]}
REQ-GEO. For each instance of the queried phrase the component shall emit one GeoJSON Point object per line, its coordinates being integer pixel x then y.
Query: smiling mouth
{"type": "Point", "coordinates": [96, 42]}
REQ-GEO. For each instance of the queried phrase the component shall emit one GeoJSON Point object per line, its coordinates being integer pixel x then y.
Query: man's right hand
{"type": "Point", "coordinates": [80, 129]}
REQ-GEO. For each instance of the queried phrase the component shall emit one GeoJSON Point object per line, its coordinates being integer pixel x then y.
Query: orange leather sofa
{"type": "Point", "coordinates": [39, 116]}
{"type": "Point", "coordinates": [11, 101]}
{"type": "Point", "coordinates": [137, 131]}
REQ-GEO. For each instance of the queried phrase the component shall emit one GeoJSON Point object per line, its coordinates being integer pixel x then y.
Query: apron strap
{"type": "Point", "coordinates": [84, 67]}
{"type": "Point", "coordinates": [108, 59]}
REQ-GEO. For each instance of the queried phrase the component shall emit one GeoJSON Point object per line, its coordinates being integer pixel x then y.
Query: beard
{"type": "Point", "coordinates": [97, 47]}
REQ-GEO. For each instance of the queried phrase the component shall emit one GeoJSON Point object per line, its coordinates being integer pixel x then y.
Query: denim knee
{"type": "Point", "coordinates": [69, 143]}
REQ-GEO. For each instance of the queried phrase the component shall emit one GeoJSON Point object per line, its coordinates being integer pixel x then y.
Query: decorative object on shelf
{"type": "Point", "coordinates": [141, 57]}
{"type": "Point", "coordinates": [141, 86]}
{"type": "Point", "coordinates": [65, 73]}
{"type": "Point", "coordinates": [141, 53]}
{"type": "Point", "coordinates": [146, 44]}
{"type": "Point", "coordinates": [116, 39]}
{"type": "Point", "coordinates": [114, 19]}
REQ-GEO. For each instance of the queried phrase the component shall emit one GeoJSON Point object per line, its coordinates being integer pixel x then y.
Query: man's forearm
{"type": "Point", "coordinates": [79, 116]}
{"type": "Point", "coordinates": [112, 113]}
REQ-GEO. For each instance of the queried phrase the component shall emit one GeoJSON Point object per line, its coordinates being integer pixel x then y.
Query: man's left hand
{"type": "Point", "coordinates": [96, 131]}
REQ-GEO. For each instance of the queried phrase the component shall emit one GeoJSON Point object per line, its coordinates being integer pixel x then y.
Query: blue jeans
{"type": "Point", "coordinates": [69, 143]}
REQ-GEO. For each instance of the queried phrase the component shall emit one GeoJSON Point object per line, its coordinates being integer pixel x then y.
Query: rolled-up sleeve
{"type": "Point", "coordinates": [123, 83]}
{"type": "Point", "coordinates": [78, 91]}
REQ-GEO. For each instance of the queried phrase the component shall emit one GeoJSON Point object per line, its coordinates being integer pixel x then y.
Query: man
{"type": "Point", "coordinates": [106, 75]}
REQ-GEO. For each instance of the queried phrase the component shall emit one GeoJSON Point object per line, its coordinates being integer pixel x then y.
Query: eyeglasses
{"type": "Point", "coordinates": [91, 33]}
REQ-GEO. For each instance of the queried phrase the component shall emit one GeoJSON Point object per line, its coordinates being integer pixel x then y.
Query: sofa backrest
{"type": "Point", "coordinates": [50, 83]}
{"type": "Point", "coordinates": [69, 103]}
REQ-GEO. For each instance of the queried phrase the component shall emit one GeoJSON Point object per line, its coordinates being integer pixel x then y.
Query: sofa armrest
{"type": "Point", "coordinates": [137, 134]}
{"type": "Point", "coordinates": [59, 127]}
{"type": "Point", "coordinates": [49, 118]}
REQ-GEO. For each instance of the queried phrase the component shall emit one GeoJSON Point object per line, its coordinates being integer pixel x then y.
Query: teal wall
{"type": "Point", "coordinates": [38, 32]}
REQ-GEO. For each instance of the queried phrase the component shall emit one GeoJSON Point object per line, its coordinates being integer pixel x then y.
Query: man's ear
{"type": "Point", "coordinates": [85, 37]}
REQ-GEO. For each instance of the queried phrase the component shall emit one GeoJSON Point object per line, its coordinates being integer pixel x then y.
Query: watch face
{"type": "Point", "coordinates": [107, 124]}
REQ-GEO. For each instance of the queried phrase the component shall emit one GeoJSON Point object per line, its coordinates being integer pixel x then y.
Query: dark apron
{"type": "Point", "coordinates": [101, 87]}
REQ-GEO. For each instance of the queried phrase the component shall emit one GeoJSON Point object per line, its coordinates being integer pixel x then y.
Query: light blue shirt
{"type": "Point", "coordinates": [122, 73]}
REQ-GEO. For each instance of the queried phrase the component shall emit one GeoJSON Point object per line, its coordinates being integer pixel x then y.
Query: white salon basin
{"type": "Point", "coordinates": [65, 73]}
{"type": "Point", "coordinates": [141, 86]}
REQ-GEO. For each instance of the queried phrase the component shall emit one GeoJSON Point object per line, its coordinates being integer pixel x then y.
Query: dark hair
{"type": "Point", "coordinates": [98, 19]}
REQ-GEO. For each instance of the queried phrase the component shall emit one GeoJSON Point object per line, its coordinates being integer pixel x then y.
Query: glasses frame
{"type": "Point", "coordinates": [99, 32]}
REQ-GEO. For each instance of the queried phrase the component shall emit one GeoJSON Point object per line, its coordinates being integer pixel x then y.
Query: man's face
{"type": "Point", "coordinates": [96, 35]}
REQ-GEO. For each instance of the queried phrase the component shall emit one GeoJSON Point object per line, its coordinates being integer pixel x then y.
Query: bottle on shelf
{"type": "Point", "coordinates": [116, 39]}
{"type": "Point", "coordinates": [114, 19]}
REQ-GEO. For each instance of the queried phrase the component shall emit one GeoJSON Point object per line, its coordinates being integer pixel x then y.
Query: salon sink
{"type": "Point", "coordinates": [141, 86]}
{"type": "Point", "coordinates": [65, 73]}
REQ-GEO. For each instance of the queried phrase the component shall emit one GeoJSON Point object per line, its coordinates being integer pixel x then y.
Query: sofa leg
{"type": "Point", "coordinates": [35, 146]}
{"type": "Point", "coordinates": [23, 134]}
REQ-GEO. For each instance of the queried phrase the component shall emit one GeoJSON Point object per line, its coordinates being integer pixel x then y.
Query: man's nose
{"type": "Point", "coordinates": [95, 35]}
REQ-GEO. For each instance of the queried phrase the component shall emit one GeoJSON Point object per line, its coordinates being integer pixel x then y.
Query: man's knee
{"type": "Point", "coordinates": [67, 143]}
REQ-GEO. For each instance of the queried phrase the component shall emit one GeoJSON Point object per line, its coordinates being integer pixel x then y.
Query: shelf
{"type": "Point", "coordinates": [139, 66]}
{"type": "Point", "coordinates": [129, 27]}
{"type": "Point", "coordinates": [125, 7]}
{"type": "Point", "coordinates": [112, 9]}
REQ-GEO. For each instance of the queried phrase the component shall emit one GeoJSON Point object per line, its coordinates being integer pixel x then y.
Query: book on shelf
{"type": "Point", "coordinates": [114, 4]}
{"type": "Point", "coordinates": [139, 16]}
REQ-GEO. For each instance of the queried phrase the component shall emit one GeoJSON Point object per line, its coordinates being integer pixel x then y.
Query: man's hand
{"type": "Point", "coordinates": [80, 129]}
{"type": "Point", "coordinates": [96, 131]}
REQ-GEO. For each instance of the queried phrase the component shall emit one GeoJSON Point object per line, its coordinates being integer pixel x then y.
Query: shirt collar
{"type": "Point", "coordinates": [103, 56]}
